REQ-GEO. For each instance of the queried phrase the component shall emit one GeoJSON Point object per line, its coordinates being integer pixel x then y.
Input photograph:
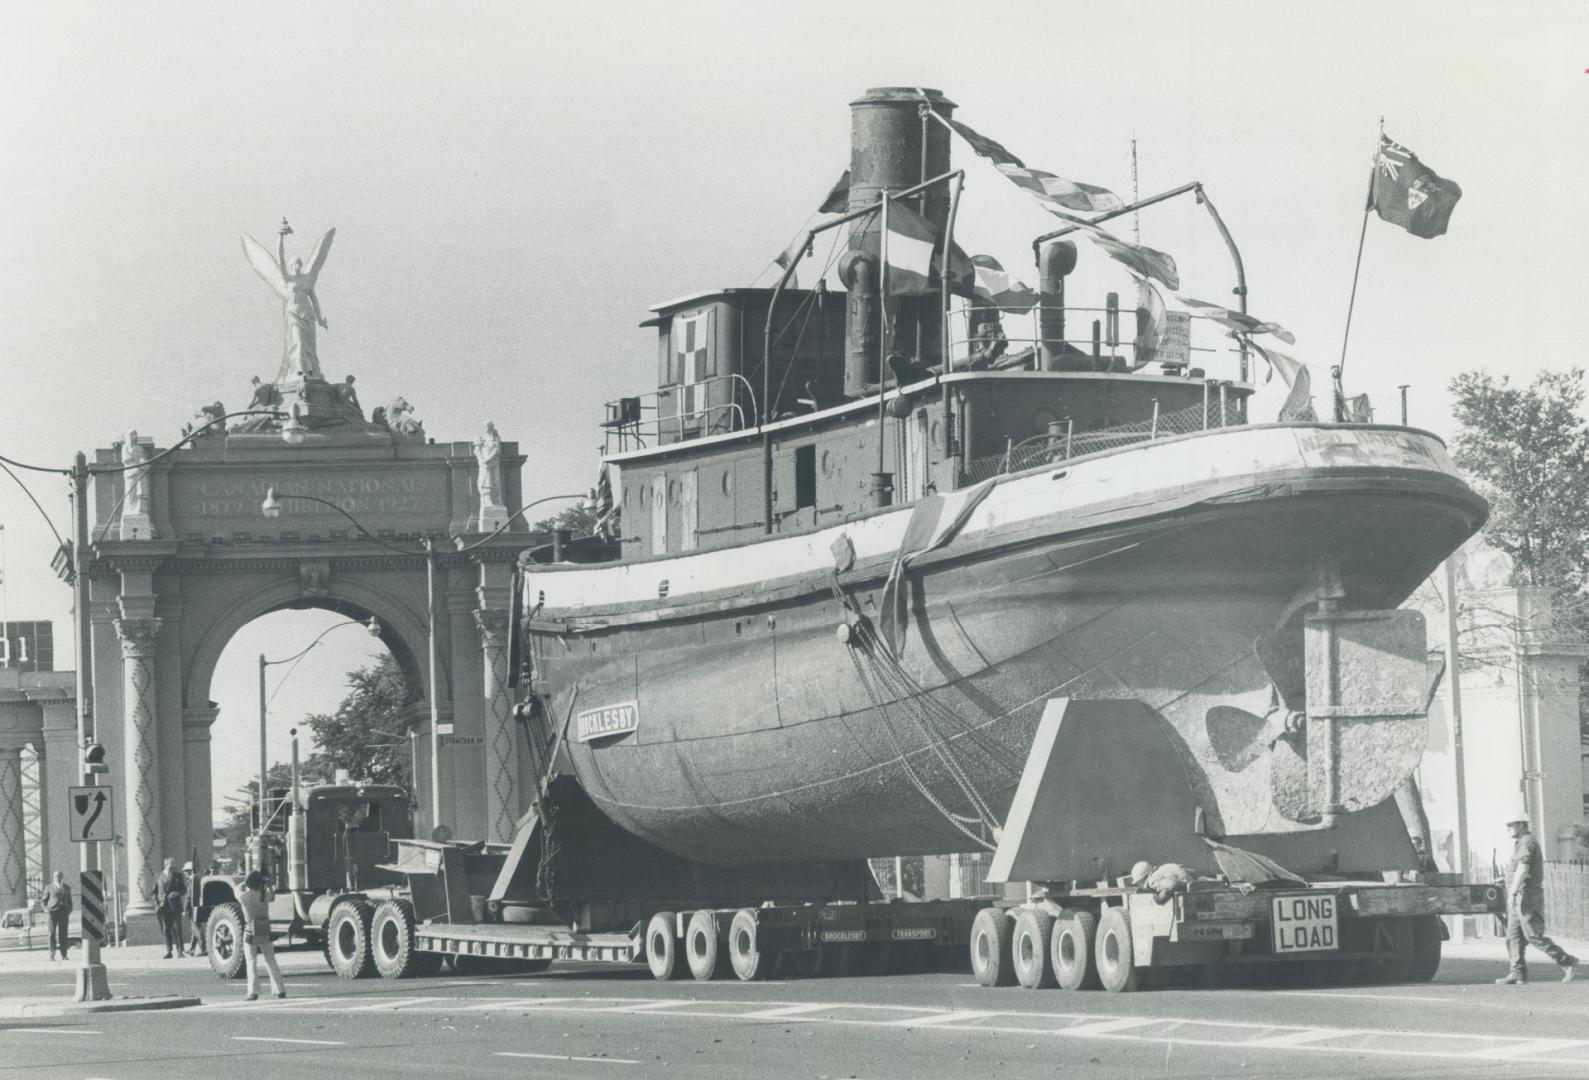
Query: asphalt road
{"type": "Point", "coordinates": [578, 1021]}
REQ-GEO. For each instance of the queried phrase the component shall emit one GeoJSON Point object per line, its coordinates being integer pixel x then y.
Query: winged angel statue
{"type": "Point", "coordinates": [300, 306]}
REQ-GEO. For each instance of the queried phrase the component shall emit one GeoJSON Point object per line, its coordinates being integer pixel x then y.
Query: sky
{"type": "Point", "coordinates": [512, 184]}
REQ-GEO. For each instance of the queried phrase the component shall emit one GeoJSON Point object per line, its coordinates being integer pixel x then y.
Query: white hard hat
{"type": "Point", "coordinates": [1140, 871]}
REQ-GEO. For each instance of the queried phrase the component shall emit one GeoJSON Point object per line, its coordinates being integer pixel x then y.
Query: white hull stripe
{"type": "Point", "coordinates": [1144, 474]}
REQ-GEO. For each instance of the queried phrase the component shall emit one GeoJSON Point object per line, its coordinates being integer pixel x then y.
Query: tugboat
{"type": "Point", "coordinates": [868, 535]}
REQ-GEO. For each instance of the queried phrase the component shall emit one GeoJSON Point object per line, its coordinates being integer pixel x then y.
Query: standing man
{"type": "Point", "coordinates": [195, 909]}
{"type": "Point", "coordinates": [58, 902]}
{"type": "Point", "coordinates": [170, 894]}
{"type": "Point", "coordinates": [1525, 908]}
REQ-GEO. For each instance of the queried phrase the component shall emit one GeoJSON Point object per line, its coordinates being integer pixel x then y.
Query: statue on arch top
{"type": "Point", "coordinates": [301, 307]}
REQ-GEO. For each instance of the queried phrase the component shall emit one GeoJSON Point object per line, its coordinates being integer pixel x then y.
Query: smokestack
{"type": "Point", "coordinates": [892, 147]}
{"type": "Point", "coordinates": [1056, 261]}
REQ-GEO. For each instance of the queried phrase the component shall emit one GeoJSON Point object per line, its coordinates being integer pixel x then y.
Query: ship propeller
{"type": "Point", "coordinates": [1240, 738]}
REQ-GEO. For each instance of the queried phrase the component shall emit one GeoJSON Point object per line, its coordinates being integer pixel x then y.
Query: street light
{"type": "Point", "coordinates": [271, 508]}
{"type": "Point", "coordinates": [92, 984]}
{"type": "Point", "coordinates": [372, 627]}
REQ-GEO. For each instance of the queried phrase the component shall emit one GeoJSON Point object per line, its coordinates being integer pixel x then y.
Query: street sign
{"type": "Point", "coordinates": [443, 729]}
{"type": "Point", "coordinates": [92, 812]}
{"type": "Point", "coordinates": [464, 740]}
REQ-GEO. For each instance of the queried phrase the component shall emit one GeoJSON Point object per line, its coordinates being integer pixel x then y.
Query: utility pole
{"type": "Point", "coordinates": [92, 984]}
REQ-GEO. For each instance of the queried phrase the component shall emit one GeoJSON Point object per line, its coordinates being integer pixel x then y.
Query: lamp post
{"type": "Point", "coordinates": [372, 626]}
{"type": "Point", "coordinates": [271, 508]}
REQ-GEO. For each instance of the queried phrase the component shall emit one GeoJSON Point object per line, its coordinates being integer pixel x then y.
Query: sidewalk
{"type": "Point", "coordinates": [1494, 948]}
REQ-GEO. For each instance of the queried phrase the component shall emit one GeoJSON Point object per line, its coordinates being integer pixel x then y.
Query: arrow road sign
{"type": "Point", "coordinates": [92, 813]}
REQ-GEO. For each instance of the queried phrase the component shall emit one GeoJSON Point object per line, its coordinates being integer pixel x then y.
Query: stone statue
{"type": "Point", "coordinates": [400, 419]}
{"type": "Point", "coordinates": [301, 307]}
{"type": "Point", "coordinates": [378, 418]}
{"type": "Point", "coordinates": [265, 398]}
{"type": "Point", "coordinates": [204, 420]}
{"type": "Point", "coordinates": [488, 452]}
{"type": "Point", "coordinates": [135, 521]}
{"type": "Point", "coordinates": [348, 402]}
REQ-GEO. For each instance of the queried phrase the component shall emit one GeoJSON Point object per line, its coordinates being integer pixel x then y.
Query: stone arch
{"type": "Point", "coordinates": [403, 631]}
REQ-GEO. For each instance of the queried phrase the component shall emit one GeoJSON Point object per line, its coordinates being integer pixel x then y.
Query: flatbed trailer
{"type": "Point", "coordinates": [1107, 935]}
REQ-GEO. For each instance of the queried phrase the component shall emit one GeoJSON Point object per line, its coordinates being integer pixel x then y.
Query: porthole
{"type": "Point", "coordinates": [827, 464]}
{"type": "Point", "coordinates": [728, 481]}
{"type": "Point", "coordinates": [645, 496]}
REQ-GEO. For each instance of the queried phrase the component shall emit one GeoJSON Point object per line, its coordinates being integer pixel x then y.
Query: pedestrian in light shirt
{"type": "Point", "coordinates": [1525, 908]}
{"type": "Point", "coordinates": [256, 935]}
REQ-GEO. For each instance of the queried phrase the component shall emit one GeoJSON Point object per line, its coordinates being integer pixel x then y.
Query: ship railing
{"type": "Point", "coordinates": [1021, 344]}
{"type": "Point", "coordinates": [711, 406]}
{"type": "Point", "coordinates": [1063, 442]}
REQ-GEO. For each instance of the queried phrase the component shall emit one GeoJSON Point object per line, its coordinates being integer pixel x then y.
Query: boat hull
{"type": "Point", "coordinates": [769, 726]}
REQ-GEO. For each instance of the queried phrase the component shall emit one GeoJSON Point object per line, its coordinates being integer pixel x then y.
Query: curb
{"type": "Point", "coordinates": [17, 1009]}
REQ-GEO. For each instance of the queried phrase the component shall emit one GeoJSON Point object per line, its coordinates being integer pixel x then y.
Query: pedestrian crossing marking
{"type": "Point", "coordinates": [1262, 1035]}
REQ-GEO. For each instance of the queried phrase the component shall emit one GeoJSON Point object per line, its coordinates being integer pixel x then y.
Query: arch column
{"type": "Point", "coordinates": [59, 769]}
{"type": "Point", "coordinates": [501, 797]}
{"type": "Point", "coordinates": [13, 841]}
{"type": "Point", "coordinates": [138, 643]}
{"type": "Point", "coordinates": [198, 816]}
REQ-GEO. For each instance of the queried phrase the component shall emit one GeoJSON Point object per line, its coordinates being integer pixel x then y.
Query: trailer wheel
{"type": "Point", "coordinates": [226, 940]}
{"type": "Point", "coordinates": [1029, 950]}
{"type": "Point", "coordinates": [662, 947]}
{"type": "Point", "coordinates": [749, 962]}
{"type": "Point", "coordinates": [1398, 967]}
{"type": "Point", "coordinates": [1071, 951]}
{"type": "Point", "coordinates": [703, 944]}
{"type": "Point", "coordinates": [1113, 953]}
{"type": "Point", "coordinates": [990, 948]}
{"type": "Point", "coordinates": [392, 942]}
{"type": "Point", "coordinates": [808, 963]}
{"type": "Point", "coordinates": [1425, 948]}
{"type": "Point", "coordinates": [348, 940]}
{"type": "Point", "coordinates": [877, 958]}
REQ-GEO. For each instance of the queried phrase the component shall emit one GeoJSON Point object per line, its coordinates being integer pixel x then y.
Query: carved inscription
{"type": "Point", "coordinates": [357, 495]}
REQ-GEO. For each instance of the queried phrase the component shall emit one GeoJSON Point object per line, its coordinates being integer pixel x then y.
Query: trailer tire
{"type": "Point", "coordinates": [703, 945]}
{"type": "Point", "coordinates": [1425, 948]}
{"type": "Point", "coordinates": [991, 934]}
{"type": "Point", "coordinates": [1029, 950]}
{"type": "Point", "coordinates": [662, 947]}
{"type": "Point", "coordinates": [225, 931]}
{"type": "Point", "coordinates": [878, 957]}
{"type": "Point", "coordinates": [1397, 968]}
{"type": "Point", "coordinates": [348, 940]}
{"type": "Point", "coordinates": [1071, 951]}
{"type": "Point", "coordinates": [808, 963]}
{"type": "Point", "coordinates": [1113, 953]}
{"type": "Point", "coordinates": [392, 945]}
{"type": "Point", "coordinates": [746, 957]}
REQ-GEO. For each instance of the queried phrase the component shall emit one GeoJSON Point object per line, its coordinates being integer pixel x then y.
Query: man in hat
{"type": "Point", "coordinates": [1525, 907]}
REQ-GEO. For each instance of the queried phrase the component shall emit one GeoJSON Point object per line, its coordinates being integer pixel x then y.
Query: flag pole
{"type": "Point", "coordinates": [1368, 204]}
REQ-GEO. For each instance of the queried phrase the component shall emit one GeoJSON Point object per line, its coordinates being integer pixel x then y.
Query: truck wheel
{"type": "Point", "coordinates": [1071, 951]}
{"type": "Point", "coordinates": [662, 947]}
{"type": "Point", "coordinates": [703, 945]}
{"type": "Point", "coordinates": [749, 962]}
{"type": "Point", "coordinates": [808, 963]}
{"type": "Point", "coordinates": [1425, 948]}
{"type": "Point", "coordinates": [226, 940]}
{"type": "Point", "coordinates": [878, 958]}
{"type": "Point", "coordinates": [392, 940]}
{"type": "Point", "coordinates": [1113, 953]}
{"type": "Point", "coordinates": [348, 940]}
{"type": "Point", "coordinates": [1029, 949]}
{"type": "Point", "coordinates": [990, 948]}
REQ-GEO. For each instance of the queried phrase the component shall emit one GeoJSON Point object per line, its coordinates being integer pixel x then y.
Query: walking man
{"type": "Point", "coordinates": [170, 895]}
{"type": "Point", "coordinates": [1525, 908]}
{"type": "Point", "coordinates": [58, 902]}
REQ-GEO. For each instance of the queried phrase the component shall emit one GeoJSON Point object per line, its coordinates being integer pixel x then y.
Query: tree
{"type": "Point", "coordinates": [1527, 451]}
{"type": "Point", "coordinates": [358, 736]}
{"type": "Point", "coordinates": [577, 519]}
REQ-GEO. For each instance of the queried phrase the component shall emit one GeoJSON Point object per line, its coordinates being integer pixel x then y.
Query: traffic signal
{"type": "Point", "coordinates": [94, 759]}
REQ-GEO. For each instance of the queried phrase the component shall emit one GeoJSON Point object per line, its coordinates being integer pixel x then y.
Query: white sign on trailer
{"type": "Point", "coordinates": [1305, 923]}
